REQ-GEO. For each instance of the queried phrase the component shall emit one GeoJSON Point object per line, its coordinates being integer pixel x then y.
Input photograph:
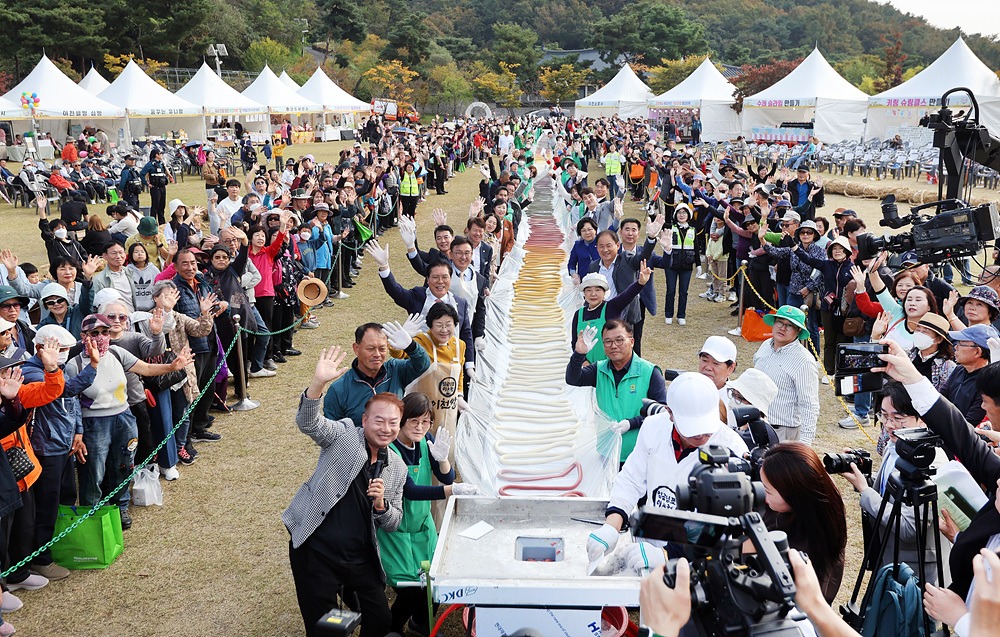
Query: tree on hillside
{"type": "Point", "coordinates": [562, 84]}
{"type": "Point", "coordinates": [664, 77]}
{"type": "Point", "coordinates": [115, 64]}
{"type": "Point", "coordinates": [754, 79]}
{"type": "Point", "coordinates": [892, 72]}
{"type": "Point", "coordinates": [447, 84]}
{"type": "Point", "coordinates": [266, 51]}
{"type": "Point", "coordinates": [409, 40]}
{"type": "Point", "coordinates": [647, 30]}
{"type": "Point", "coordinates": [391, 79]}
{"type": "Point", "coordinates": [501, 88]}
{"type": "Point", "coordinates": [341, 19]}
{"type": "Point", "coordinates": [516, 46]}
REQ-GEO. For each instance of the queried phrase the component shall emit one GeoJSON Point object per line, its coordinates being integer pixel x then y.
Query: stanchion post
{"type": "Point", "coordinates": [246, 404]}
{"type": "Point", "coordinates": [743, 285]}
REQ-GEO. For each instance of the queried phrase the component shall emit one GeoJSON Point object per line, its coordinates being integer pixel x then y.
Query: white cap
{"type": "Point", "coordinates": [5, 325]}
{"type": "Point", "coordinates": [694, 403]}
{"type": "Point", "coordinates": [54, 289]}
{"type": "Point", "coordinates": [105, 296]}
{"type": "Point", "coordinates": [757, 387]}
{"type": "Point", "coordinates": [720, 348]}
{"type": "Point", "coordinates": [595, 279]}
{"type": "Point", "coordinates": [65, 338]}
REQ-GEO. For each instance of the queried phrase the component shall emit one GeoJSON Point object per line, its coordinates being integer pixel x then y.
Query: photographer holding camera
{"type": "Point", "coordinates": [896, 412]}
{"type": "Point", "coordinates": [975, 454]}
{"type": "Point", "coordinates": [662, 460]}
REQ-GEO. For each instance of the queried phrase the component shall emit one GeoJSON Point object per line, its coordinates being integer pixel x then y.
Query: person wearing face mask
{"type": "Point", "coordinates": [55, 235]}
{"type": "Point", "coordinates": [57, 439]}
{"type": "Point", "coordinates": [933, 353]}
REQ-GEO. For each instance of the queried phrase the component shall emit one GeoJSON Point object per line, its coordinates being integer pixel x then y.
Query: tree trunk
{"type": "Point", "coordinates": [326, 51]}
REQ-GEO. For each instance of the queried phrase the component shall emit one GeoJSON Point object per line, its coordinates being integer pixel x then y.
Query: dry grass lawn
{"type": "Point", "coordinates": [213, 560]}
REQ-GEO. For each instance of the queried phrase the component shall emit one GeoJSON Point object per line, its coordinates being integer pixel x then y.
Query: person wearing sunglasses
{"type": "Point", "coordinates": [61, 310]}
{"type": "Point", "coordinates": [11, 305]}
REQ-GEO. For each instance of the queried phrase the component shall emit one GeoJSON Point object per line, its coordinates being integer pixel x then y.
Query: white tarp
{"type": "Point", "coordinates": [60, 97]}
{"type": "Point", "coordinates": [625, 96]}
{"type": "Point", "coordinates": [209, 91]}
{"type": "Point", "coordinates": [707, 90]}
{"type": "Point", "coordinates": [322, 90]}
{"type": "Point", "coordinates": [93, 82]}
{"type": "Point", "coordinates": [270, 91]}
{"type": "Point", "coordinates": [814, 91]}
{"type": "Point", "coordinates": [908, 102]}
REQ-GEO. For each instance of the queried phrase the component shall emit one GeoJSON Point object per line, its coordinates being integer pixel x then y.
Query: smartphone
{"type": "Point", "coordinates": [859, 357]}
{"type": "Point", "coordinates": [681, 527]}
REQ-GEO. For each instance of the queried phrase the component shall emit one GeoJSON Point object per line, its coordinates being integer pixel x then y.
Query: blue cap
{"type": "Point", "coordinates": [978, 334]}
{"type": "Point", "coordinates": [910, 258]}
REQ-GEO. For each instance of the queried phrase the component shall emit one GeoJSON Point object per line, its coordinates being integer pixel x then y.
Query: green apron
{"type": "Point", "coordinates": [413, 542]}
{"type": "Point", "coordinates": [596, 353]}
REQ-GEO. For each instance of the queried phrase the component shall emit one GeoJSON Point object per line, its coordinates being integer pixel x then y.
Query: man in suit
{"type": "Point", "coordinates": [356, 486]}
{"type": "Point", "coordinates": [436, 288]}
{"type": "Point", "coordinates": [806, 195]}
{"type": "Point", "coordinates": [621, 270]}
{"type": "Point", "coordinates": [419, 259]}
{"type": "Point", "coordinates": [628, 232]}
{"type": "Point", "coordinates": [482, 252]}
{"type": "Point", "coordinates": [468, 283]}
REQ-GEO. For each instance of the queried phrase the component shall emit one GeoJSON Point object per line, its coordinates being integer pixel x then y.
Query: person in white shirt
{"type": "Point", "coordinates": [225, 209]}
{"type": "Point", "coordinates": [125, 224]}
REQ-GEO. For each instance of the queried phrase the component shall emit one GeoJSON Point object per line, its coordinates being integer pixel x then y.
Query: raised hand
{"type": "Point", "coordinates": [156, 319]}
{"type": "Point", "coordinates": [948, 307]}
{"type": "Point", "coordinates": [330, 365]}
{"type": "Point", "coordinates": [654, 225]}
{"type": "Point", "coordinates": [205, 303]}
{"type": "Point", "coordinates": [184, 358]}
{"type": "Point", "coordinates": [9, 261]}
{"type": "Point", "coordinates": [441, 446]}
{"type": "Point", "coordinates": [644, 273]}
{"type": "Point", "coordinates": [439, 216]}
{"type": "Point", "coordinates": [10, 382]}
{"type": "Point", "coordinates": [48, 353]}
{"type": "Point", "coordinates": [881, 325]}
{"type": "Point", "coordinates": [586, 340]}
{"type": "Point", "coordinates": [378, 254]}
{"type": "Point", "coordinates": [414, 324]}
{"type": "Point", "coordinates": [398, 337]}
{"type": "Point", "coordinates": [90, 267]}
{"type": "Point", "coordinates": [859, 279]}
{"type": "Point", "coordinates": [408, 232]}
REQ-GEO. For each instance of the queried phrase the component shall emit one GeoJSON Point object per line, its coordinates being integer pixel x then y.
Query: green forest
{"type": "Point", "coordinates": [452, 50]}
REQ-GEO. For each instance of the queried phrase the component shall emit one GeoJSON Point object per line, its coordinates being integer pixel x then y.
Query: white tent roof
{"type": "Point", "coordinates": [13, 110]}
{"type": "Point", "coordinates": [958, 66]}
{"type": "Point", "coordinates": [706, 83]}
{"type": "Point", "coordinates": [624, 90]}
{"type": "Point", "coordinates": [321, 89]}
{"type": "Point", "coordinates": [61, 97]}
{"type": "Point", "coordinates": [270, 91]}
{"type": "Point", "coordinates": [94, 82]}
{"type": "Point", "coordinates": [206, 89]}
{"type": "Point", "coordinates": [814, 79]}
{"type": "Point", "coordinates": [288, 81]}
{"type": "Point", "coordinates": [138, 94]}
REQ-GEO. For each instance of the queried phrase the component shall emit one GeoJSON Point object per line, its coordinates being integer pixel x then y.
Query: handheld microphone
{"type": "Point", "coordinates": [381, 459]}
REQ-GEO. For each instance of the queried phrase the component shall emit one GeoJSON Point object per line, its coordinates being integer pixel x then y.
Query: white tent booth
{"type": "Point", "coordinates": [10, 111]}
{"type": "Point", "coordinates": [905, 104]}
{"type": "Point", "coordinates": [65, 108]}
{"type": "Point", "coordinates": [269, 90]}
{"type": "Point", "coordinates": [222, 102]}
{"type": "Point", "coordinates": [287, 80]}
{"type": "Point", "coordinates": [93, 82]}
{"type": "Point", "coordinates": [340, 108]}
{"type": "Point", "coordinates": [151, 109]}
{"type": "Point", "coordinates": [813, 92]}
{"type": "Point", "coordinates": [707, 91]}
{"type": "Point", "coordinates": [625, 96]}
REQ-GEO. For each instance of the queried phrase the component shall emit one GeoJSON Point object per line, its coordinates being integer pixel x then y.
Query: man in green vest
{"type": "Point", "coordinates": [621, 381]}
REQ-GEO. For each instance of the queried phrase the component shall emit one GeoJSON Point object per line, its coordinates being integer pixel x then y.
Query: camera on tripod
{"type": "Point", "coordinates": [731, 593]}
{"type": "Point", "coordinates": [916, 448]}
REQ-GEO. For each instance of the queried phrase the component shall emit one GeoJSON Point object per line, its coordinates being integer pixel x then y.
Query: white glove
{"type": "Point", "coordinates": [602, 542]}
{"type": "Point", "coordinates": [470, 372]}
{"type": "Point", "coordinates": [589, 337]}
{"type": "Point", "coordinates": [379, 254]}
{"type": "Point", "coordinates": [480, 343]}
{"type": "Point", "coordinates": [460, 488]}
{"type": "Point", "coordinates": [462, 405]}
{"type": "Point", "coordinates": [643, 556]}
{"type": "Point", "coordinates": [576, 279]}
{"type": "Point", "coordinates": [441, 446]}
{"type": "Point", "coordinates": [408, 232]}
{"type": "Point", "coordinates": [398, 338]}
{"type": "Point", "coordinates": [621, 426]}
{"type": "Point", "coordinates": [994, 344]}
{"type": "Point", "coordinates": [414, 324]}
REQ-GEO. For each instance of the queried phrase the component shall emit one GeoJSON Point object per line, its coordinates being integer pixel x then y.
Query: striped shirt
{"type": "Point", "coordinates": [793, 370]}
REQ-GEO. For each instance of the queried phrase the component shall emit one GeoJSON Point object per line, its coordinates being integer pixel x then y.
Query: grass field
{"type": "Point", "coordinates": [213, 560]}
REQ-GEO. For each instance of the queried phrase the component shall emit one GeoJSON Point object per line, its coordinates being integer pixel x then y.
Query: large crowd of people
{"type": "Point", "coordinates": [141, 309]}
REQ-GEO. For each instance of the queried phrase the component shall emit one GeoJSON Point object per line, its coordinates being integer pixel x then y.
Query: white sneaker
{"type": "Point", "coordinates": [10, 602]}
{"type": "Point", "coordinates": [701, 272]}
{"type": "Point", "coordinates": [681, 321]}
{"type": "Point", "coordinates": [703, 275]}
{"type": "Point", "coordinates": [170, 474]}
{"type": "Point", "coordinates": [706, 295]}
{"type": "Point", "coordinates": [263, 372]}
{"type": "Point", "coordinates": [732, 296]}
{"type": "Point", "coordinates": [670, 321]}
{"type": "Point", "coordinates": [824, 380]}
{"type": "Point", "coordinates": [32, 583]}
{"type": "Point", "coordinates": [341, 295]}
{"type": "Point", "coordinates": [736, 331]}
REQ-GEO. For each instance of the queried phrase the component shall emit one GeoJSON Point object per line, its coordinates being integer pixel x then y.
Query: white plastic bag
{"type": "Point", "coordinates": [147, 490]}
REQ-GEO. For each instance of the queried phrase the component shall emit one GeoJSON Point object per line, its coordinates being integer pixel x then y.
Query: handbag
{"type": "Point", "coordinates": [20, 463]}
{"type": "Point", "coordinates": [854, 326]}
{"type": "Point", "coordinates": [95, 543]}
{"type": "Point", "coordinates": [156, 384]}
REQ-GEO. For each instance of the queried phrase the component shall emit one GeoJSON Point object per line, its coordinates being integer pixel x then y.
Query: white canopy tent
{"type": "Point", "coordinates": [709, 92]}
{"type": "Point", "coordinates": [815, 92]}
{"type": "Point", "coordinates": [625, 96]}
{"type": "Point", "coordinates": [93, 82]}
{"type": "Point", "coordinates": [208, 91]}
{"type": "Point", "coordinates": [13, 110]}
{"type": "Point", "coordinates": [270, 91]}
{"type": "Point", "coordinates": [151, 108]}
{"type": "Point", "coordinates": [339, 107]}
{"type": "Point", "coordinates": [958, 66]}
{"type": "Point", "coordinates": [65, 105]}
{"type": "Point", "coordinates": [288, 81]}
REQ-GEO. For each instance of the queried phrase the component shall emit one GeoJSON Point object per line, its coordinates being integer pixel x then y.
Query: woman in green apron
{"type": "Point", "coordinates": [413, 542]}
{"type": "Point", "coordinates": [596, 311]}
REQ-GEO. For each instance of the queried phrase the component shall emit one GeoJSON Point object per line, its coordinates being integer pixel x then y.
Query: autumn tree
{"type": "Point", "coordinates": [448, 86]}
{"type": "Point", "coordinates": [562, 84]}
{"type": "Point", "coordinates": [664, 77]}
{"type": "Point", "coordinates": [501, 88]}
{"type": "Point", "coordinates": [391, 79]}
{"type": "Point", "coordinates": [892, 73]}
{"type": "Point", "coordinates": [115, 64]}
{"type": "Point", "coordinates": [754, 79]}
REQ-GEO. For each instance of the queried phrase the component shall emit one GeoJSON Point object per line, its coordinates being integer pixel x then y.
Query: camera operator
{"type": "Point", "coordinates": [896, 412]}
{"type": "Point", "coordinates": [975, 454]}
{"type": "Point", "coordinates": [357, 486]}
{"type": "Point", "coordinates": [662, 460]}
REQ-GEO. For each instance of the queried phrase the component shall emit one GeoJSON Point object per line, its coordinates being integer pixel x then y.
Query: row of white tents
{"type": "Point", "coordinates": [137, 102]}
{"type": "Point", "coordinates": [812, 92]}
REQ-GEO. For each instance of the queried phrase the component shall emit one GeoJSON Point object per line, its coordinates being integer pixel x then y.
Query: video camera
{"type": "Point", "coordinates": [957, 229]}
{"type": "Point", "coordinates": [731, 593]}
{"type": "Point", "coordinates": [916, 449]}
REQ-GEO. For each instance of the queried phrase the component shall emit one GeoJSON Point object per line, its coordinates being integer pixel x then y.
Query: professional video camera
{"type": "Point", "coordinates": [957, 229]}
{"type": "Point", "coordinates": [916, 449]}
{"type": "Point", "coordinates": [731, 593]}
{"type": "Point", "coordinates": [755, 433]}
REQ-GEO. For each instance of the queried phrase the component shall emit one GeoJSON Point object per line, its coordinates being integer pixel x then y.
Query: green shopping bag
{"type": "Point", "coordinates": [364, 232]}
{"type": "Point", "coordinates": [95, 543]}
